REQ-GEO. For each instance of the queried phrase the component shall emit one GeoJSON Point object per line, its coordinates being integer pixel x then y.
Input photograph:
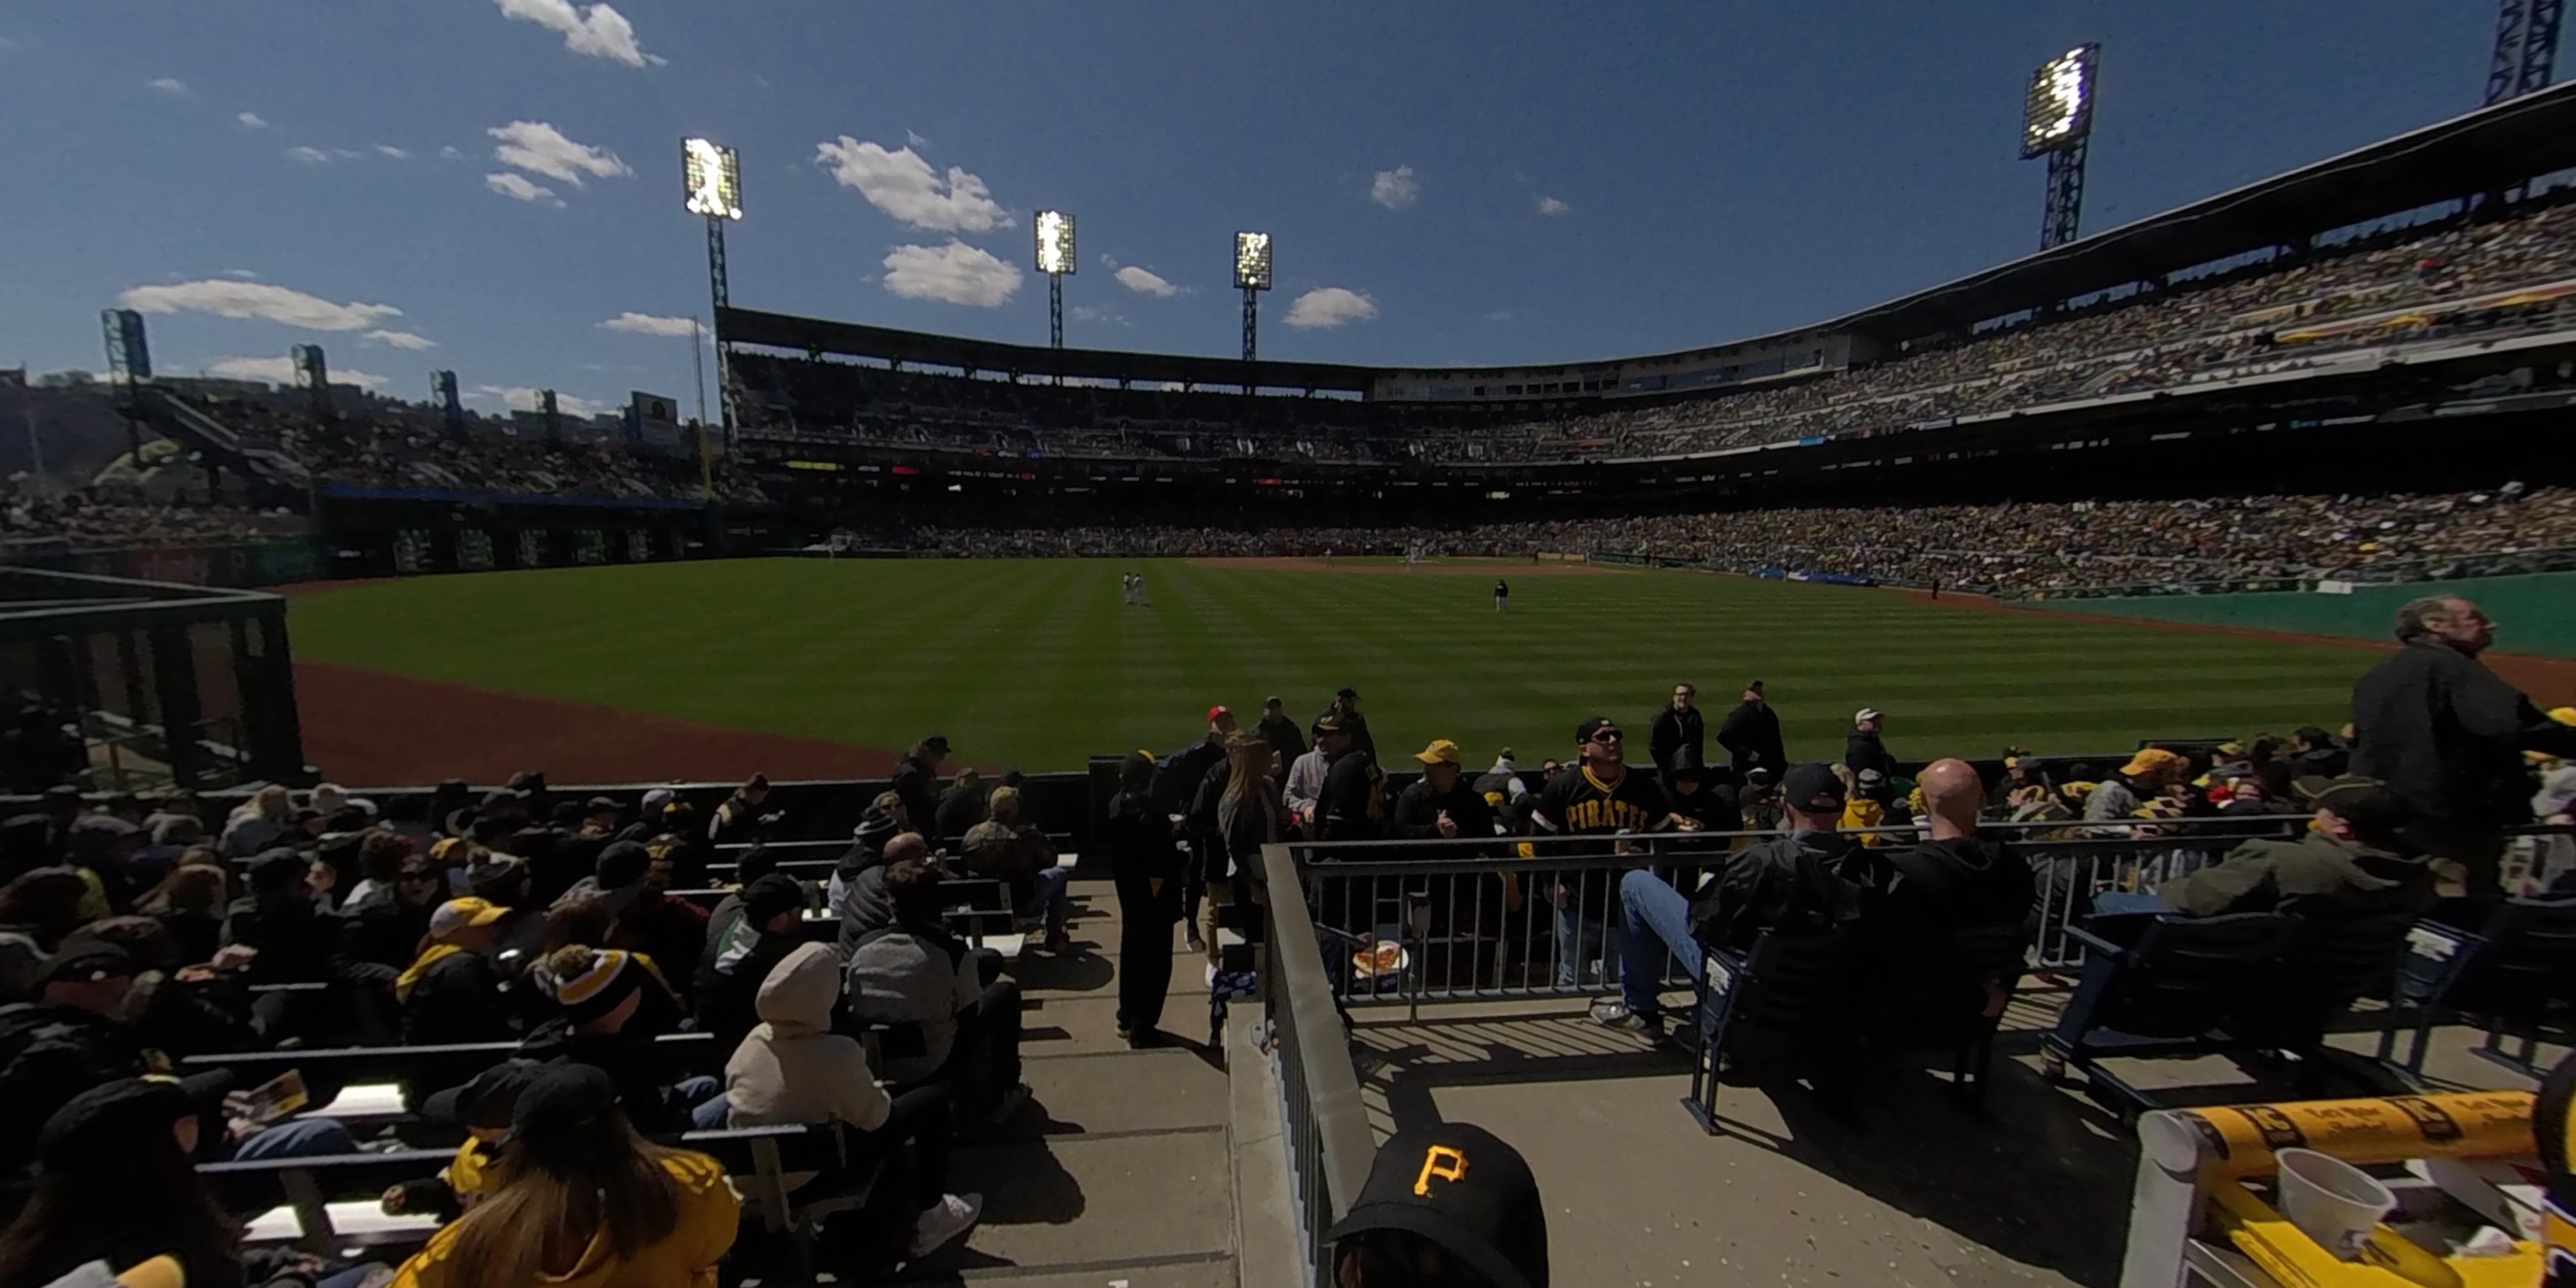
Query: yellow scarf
{"type": "Point", "coordinates": [411, 976]}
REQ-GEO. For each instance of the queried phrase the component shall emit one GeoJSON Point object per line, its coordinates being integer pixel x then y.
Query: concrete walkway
{"type": "Point", "coordinates": [1117, 1170]}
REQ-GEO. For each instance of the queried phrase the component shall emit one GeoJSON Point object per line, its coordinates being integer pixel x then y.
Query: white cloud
{"type": "Point", "coordinates": [171, 85]}
{"type": "Point", "coordinates": [956, 272]}
{"type": "Point", "coordinates": [389, 150]}
{"type": "Point", "coordinates": [348, 154]}
{"type": "Point", "coordinates": [1548, 205]}
{"type": "Point", "coordinates": [1395, 189]}
{"type": "Point", "coordinates": [281, 371]}
{"type": "Point", "coordinates": [904, 186]}
{"type": "Point", "coordinates": [1144, 282]}
{"type": "Point", "coordinates": [517, 187]}
{"type": "Point", "coordinates": [402, 339]}
{"type": "Point", "coordinates": [450, 152]}
{"type": "Point", "coordinates": [524, 397]}
{"type": "Point", "coordinates": [539, 148]}
{"type": "Point", "coordinates": [914, 138]}
{"type": "Point", "coordinates": [251, 120]}
{"type": "Point", "coordinates": [279, 304]}
{"type": "Point", "coordinates": [242, 273]}
{"type": "Point", "coordinates": [1330, 306]}
{"type": "Point", "coordinates": [1499, 315]}
{"type": "Point", "coordinates": [598, 30]}
{"type": "Point", "coordinates": [650, 324]}
{"type": "Point", "coordinates": [1086, 313]}
{"type": "Point", "coordinates": [309, 156]}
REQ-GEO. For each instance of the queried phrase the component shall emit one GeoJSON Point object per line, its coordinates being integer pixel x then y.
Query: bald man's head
{"type": "Point", "coordinates": [1953, 792]}
{"type": "Point", "coordinates": [906, 845]}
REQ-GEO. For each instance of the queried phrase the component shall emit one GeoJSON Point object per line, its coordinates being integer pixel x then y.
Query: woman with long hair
{"type": "Point", "coordinates": [1145, 864]}
{"type": "Point", "coordinates": [190, 902]}
{"type": "Point", "coordinates": [1248, 816]}
{"type": "Point", "coordinates": [577, 1198]}
{"type": "Point", "coordinates": [258, 823]}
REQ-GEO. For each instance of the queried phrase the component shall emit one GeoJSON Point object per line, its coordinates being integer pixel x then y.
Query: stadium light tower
{"type": "Point", "coordinates": [2526, 48]}
{"type": "Point", "coordinates": [1056, 260]}
{"type": "Point", "coordinates": [713, 177]}
{"type": "Point", "coordinates": [1252, 273]}
{"type": "Point", "coordinates": [2057, 122]}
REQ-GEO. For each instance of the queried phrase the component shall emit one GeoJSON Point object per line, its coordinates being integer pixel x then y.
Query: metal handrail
{"type": "Point", "coordinates": [1325, 1124]}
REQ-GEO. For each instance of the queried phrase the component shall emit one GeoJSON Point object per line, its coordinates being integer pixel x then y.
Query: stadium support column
{"type": "Point", "coordinates": [2526, 48]}
{"type": "Point", "coordinates": [723, 297]}
{"type": "Point", "coordinates": [2064, 213]}
{"type": "Point", "coordinates": [1251, 322]}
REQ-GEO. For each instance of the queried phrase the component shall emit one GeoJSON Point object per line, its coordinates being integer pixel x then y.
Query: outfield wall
{"type": "Point", "coordinates": [2536, 612]}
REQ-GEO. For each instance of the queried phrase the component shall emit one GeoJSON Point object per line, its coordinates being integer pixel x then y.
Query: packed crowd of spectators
{"type": "Point", "coordinates": [2011, 548]}
{"type": "Point", "coordinates": [562, 932]}
{"type": "Point", "coordinates": [401, 446]}
{"type": "Point", "coordinates": [2244, 319]}
{"type": "Point", "coordinates": [94, 517]}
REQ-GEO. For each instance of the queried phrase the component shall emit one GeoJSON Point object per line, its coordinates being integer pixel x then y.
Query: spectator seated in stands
{"type": "Point", "coordinates": [1812, 881]}
{"type": "Point", "coordinates": [260, 822]}
{"type": "Point", "coordinates": [2353, 862]}
{"type": "Point", "coordinates": [770, 927]}
{"type": "Point", "coordinates": [792, 1068]}
{"type": "Point", "coordinates": [599, 992]}
{"type": "Point", "coordinates": [482, 1109]}
{"type": "Point", "coordinates": [178, 1008]}
{"type": "Point", "coordinates": [1019, 856]}
{"type": "Point", "coordinates": [1956, 880]}
{"type": "Point", "coordinates": [388, 910]}
{"type": "Point", "coordinates": [578, 1198]}
{"type": "Point", "coordinates": [960, 808]}
{"type": "Point", "coordinates": [672, 932]}
{"type": "Point", "coordinates": [37, 910]}
{"type": "Point", "coordinates": [116, 1183]}
{"type": "Point", "coordinates": [856, 893]}
{"type": "Point", "coordinates": [453, 992]}
{"type": "Point", "coordinates": [947, 1025]}
{"type": "Point", "coordinates": [754, 863]}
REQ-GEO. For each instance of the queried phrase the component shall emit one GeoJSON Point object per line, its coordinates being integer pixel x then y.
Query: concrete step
{"type": "Point", "coordinates": [1099, 1200]}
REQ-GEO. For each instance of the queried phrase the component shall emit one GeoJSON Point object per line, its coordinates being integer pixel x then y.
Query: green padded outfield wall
{"type": "Point", "coordinates": [2536, 613]}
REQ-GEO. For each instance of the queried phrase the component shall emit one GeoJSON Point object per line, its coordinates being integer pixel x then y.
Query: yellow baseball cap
{"type": "Point", "coordinates": [458, 914]}
{"type": "Point", "coordinates": [1440, 752]}
{"type": "Point", "coordinates": [2155, 760]}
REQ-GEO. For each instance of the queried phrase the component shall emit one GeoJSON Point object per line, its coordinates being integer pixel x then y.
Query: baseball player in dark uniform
{"type": "Point", "coordinates": [1502, 593]}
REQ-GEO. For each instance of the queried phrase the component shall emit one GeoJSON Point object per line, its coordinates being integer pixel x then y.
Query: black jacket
{"type": "Point", "coordinates": [2447, 735]}
{"type": "Point", "coordinates": [1862, 750]}
{"type": "Point", "coordinates": [1941, 886]}
{"type": "Point", "coordinates": [49, 1054]}
{"type": "Point", "coordinates": [459, 998]}
{"type": "Point", "coordinates": [379, 930]}
{"type": "Point", "coordinates": [1142, 850]}
{"type": "Point", "coordinates": [1671, 730]}
{"type": "Point", "coordinates": [1751, 736]}
{"type": "Point", "coordinates": [293, 938]}
{"type": "Point", "coordinates": [1809, 883]}
{"type": "Point", "coordinates": [914, 782]}
{"type": "Point", "coordinates": [1285, 739]}
{"type": "Point", "coordinates": [1343, 806]}
{"type": "Point", "coordinates": [959, 809]}
{"type": "Point", "coordinates": [644, 1080]}
{"type": "Point", "coordinates": [728, 994]}
{"type": "Point", "coordinates": [1418, 810]}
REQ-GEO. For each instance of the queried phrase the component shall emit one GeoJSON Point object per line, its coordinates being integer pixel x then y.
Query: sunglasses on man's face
{"type": "Point", "coordinates": [1606, 735]}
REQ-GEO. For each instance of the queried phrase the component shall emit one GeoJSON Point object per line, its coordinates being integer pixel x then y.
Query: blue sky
{"type": "Point", "coordinates": [1483, 182]}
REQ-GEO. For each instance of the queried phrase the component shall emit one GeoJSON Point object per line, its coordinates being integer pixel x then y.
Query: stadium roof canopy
{"type": "Point", "coordinates": [2488, 150]}
{"type": "Point", "coordinates": [782, 331]}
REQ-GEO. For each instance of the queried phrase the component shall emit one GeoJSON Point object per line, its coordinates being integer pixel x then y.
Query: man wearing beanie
{"type": "Point", "coordinates": [773, 912]}
{"type": "Point", "coordinates": [856, 892]}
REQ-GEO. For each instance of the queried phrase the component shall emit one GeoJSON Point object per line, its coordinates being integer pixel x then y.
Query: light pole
{"type": "Point", "coordinates": [713, 176]}
{"type": "Point", "coordinates": [1252, 273]}
{"type": "Point", "coordinates": [1055, 259]}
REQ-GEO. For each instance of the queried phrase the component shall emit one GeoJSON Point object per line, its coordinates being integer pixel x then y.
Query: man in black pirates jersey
{"type": "Point", "coordinates": [1597, 797]}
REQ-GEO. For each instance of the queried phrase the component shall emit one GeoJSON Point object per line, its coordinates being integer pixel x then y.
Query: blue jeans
{"type": "Point", "coordinates": [295, 1138]}
{"type": "Point", "coordinates": [1050, 900]}
{"type": "Point", "coordinates": [706, 1100]}
{"type": "Point", "coordinates": [1654, 919]}
{"type": "Point", "coordinates": [1576, 939]}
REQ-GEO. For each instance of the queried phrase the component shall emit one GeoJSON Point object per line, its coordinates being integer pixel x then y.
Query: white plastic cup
{"type": "Point", "coordinates": [2331, 1201]}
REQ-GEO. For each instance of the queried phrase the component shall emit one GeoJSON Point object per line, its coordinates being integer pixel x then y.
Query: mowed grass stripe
{"type": "Point", "coordinates": [1037, 662]}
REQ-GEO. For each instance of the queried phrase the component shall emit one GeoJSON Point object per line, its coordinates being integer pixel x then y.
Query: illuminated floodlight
{"type": "Point", "coordinates": [1055, 243]}
{"type": "Point", "coordinates": [713, 177]}
{"type": "Point", "coordinates": [1252, 261]}
{"type": "Point", "coordinates": [2058, 113]}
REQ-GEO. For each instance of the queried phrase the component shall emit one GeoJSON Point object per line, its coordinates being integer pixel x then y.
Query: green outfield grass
{"type": "Point", "coordinates": [1036, 663]}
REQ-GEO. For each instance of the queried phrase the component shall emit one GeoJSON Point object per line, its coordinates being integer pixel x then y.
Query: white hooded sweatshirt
{"type": "Point", "coordinates": [792, 1068]}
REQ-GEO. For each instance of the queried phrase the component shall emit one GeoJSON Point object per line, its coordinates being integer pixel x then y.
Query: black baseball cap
{"type": "Point", "coordinates": [1812, 787]}
{"type": "Point", "coordinates": [1592, 725]}
{"type": "Point", "coordinates": [937, 742]}
{"type": "Point", "coordinates": [490, 1101]}
{"type": "Point", "coordinates": [559, 1110]}
{"type": "Point", "coordinates": [2366, 803]}
{"type": "Point", "coordinates": [1460, 1187]}
{"type": "Point", "coordinates": [1347, 691]}
{"type": "Point", "coordinates": [88, 962]}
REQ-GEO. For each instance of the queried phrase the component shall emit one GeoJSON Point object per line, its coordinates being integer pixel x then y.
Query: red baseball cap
{"type": "Point", "coordinates": [1218, 710]}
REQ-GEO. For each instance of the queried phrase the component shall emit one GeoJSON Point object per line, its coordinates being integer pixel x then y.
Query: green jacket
{"type": "Point", "coordinates": [2314, 876]}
